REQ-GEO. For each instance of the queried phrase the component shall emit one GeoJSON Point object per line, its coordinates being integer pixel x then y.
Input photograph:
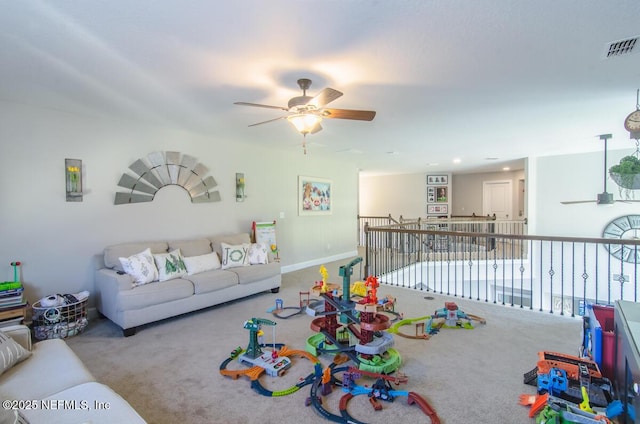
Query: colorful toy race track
{"type": "Point", "coordinates": [359, 320]}
{"type": "Point", "coordinates": [452, 317]}
{"type": "Point", "coordinates": [278, 311]}
{"type": "Point", "coordinates": [348, 330]}
{"type": "Point", "coordinates": [274, 363]}
{"type": "Point", "coordinates": [380, 390]}
{"type": "Point", "coordinates": [570, 389]}
{"type": "Point", "coordinates": [423, 327]}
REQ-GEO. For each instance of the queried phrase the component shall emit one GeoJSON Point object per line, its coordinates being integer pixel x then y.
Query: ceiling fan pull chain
{"type": "Point", "coordinates": [638, 99]}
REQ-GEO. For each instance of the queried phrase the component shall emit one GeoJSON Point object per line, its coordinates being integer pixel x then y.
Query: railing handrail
{"type": "Point", "coordinates": [394, 229]}
{"type": "Point", "coordinates": [489, 261]}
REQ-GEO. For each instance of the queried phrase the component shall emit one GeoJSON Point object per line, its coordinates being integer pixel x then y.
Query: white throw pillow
{"type": "Point", "coordinates": [201, 263]}
{"type": "Point", "coordinates": [170, 265]}
{"type": "Point", "coordinates": [141, 267]}
{"type": "Point", "coordinates": [11, 352]}
{"type": "Point", "coordinates": [235, 255]}
{"type": "Point", "coordinates": [258, 254]}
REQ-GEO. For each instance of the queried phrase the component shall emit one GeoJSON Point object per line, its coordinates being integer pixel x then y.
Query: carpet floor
{"type": "Point", "coordinates": [169, 371]}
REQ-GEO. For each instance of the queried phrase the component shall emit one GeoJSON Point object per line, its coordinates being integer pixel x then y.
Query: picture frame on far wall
{"type": "Point", "coordinates": [437, 179]}
{"type": "Point", "coordinates": [442, 194]}
{"type": "Point", "coordinates": [431, 194]}
{"type": "Point", "coordinates": [314, 196]}
{"type": "Point", "coordinates": [438, 209]}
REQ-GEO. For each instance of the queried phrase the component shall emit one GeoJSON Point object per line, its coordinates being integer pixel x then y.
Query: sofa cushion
{"type": "Point", "coordinates": [195, 247]}
{"type": "Point", "coordinates": [94, 403]}
{"type": "Point", "coordinates": [234, 255]}
{"type": "Point", "coordinates": [235, 239]}
{"type": "Point", "coordinates": [11, 352]}
{"type": "Point", "coordinates": [124, 250]}
{"type": "Point", "coordinates": [141, 267]}
{"type": "Point", "coordinates": [154, 294]}
{"type": "Point", "coordinates": [170, 265]}
{"type": "Point", "coordinates": [210, 281]}
{"type": "Point", "coordinates": [258, 254]}
{"type": "Point", "coordinates": [252, 273]}
{"type": "Point", "coordinates": [201, 263]}
{"type": "Point", "coordinates": [12, 416]}
{"type": "Point", "coordinates": [51, 358]}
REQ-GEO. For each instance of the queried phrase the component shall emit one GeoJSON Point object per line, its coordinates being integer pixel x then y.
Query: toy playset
{"type": "Point", "coordinates": [349, 330]}
{"type": "Point", "coordinates": [570, 389]}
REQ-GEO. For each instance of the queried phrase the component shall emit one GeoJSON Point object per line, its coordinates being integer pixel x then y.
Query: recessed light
{"type": "Point", "coordinates": [506, 168]}
{"type": "Point", "coordinates": [457, 160]}
{"type": "Point", "coordinates": [490, 158]}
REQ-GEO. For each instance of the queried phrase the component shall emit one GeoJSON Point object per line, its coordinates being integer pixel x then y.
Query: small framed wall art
{"type": "Point", "coordinates": [314, 196]}
{"type": "Point", "coordinates": [437, 179]}
{"type": "Point", "coordinates": [438, 209]}
{"type": "Point", "coordinates": [73, 176]}
{"type": "Point", "coordinates": [431, 194]}
{"type": "Point", "coordinates": [442, 194]}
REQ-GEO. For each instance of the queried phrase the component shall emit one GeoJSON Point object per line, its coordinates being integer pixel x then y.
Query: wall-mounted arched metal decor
{"type": "Point", "coordinates": [164, 169]}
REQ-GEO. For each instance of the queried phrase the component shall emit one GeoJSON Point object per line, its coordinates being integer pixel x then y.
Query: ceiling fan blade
{"type": "Point", "coordinates": [360, 115]}
{"type": "Point", "coordinates": [573, 202]}
{"type": "Point", "coordinates": [266, 122]}
{"type": "Point", "coordinates": [259, 105]}
{"type": "Point", "coordinates": [324, 97]}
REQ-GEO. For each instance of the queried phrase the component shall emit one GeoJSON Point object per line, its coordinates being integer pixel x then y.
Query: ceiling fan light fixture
{"type": "Point", "coordinates": [304, 122]}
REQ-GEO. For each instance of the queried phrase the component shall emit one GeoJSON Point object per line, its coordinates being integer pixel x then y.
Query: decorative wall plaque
{"type": "Point", "coordinates": [162, 169]}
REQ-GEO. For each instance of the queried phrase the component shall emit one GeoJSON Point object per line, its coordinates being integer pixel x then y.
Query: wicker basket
{"type": "Point", "coordinates": [59, 322]}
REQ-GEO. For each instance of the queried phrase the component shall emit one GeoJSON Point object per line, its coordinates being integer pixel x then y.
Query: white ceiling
{"type": "Point", "coordinates": [470, 79]}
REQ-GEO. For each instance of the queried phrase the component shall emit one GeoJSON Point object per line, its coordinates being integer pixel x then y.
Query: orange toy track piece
{"type": "Point", "coordinates": [538, 405]}
{"type": "Point", "coordinates": [568, 363]}
{"type": "Point", "coordinates": [527, 400]}
{"type": "Point", "coordinates": [424, 406]}
{"type": "Point", "coordinates": [253, 373]}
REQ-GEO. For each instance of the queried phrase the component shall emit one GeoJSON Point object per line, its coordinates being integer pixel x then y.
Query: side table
{"type": "Point", "coordinates": [13, 314]}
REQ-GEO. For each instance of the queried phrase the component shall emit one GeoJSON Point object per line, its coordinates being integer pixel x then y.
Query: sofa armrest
{"type": "Point", "coordinates": [113, 280]}
{"type": "Point", "coordinates": [20, 333]}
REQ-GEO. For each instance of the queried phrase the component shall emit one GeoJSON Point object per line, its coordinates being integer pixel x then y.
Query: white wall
{"type": "Point", "coordinates": [467, 191]}
{"type": "Point", "coordinates": [549, 181]}
{"type": "Point", "coordinates": [57, 240]}
{"type": "Point", "coordinates": [576, 177]}
{"type": "Point", "coordinates": [406, 194]}
{"type": "Point", "coordinates": [397, 195]}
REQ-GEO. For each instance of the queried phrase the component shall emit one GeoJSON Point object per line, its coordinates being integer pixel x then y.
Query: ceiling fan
{"type": "Point", "coordinates": [604, 198]}
{"type": "Point", "coordinates": [306, 112]}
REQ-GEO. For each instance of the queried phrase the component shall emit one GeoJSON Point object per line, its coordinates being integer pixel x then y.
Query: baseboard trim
{"type": "Point", "coordinates": [320, 261]}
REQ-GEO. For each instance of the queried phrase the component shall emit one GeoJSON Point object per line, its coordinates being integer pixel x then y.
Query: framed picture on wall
{"type": "Point", "coordinates": [314, 196]}
{"type": "Point", "coordinates": [442, 194]}
{"type": "Point", "coordinates": [431, 194]}
{"type": "Point", "coordinates": [437, 179]}
{"type": "Point", "coordinates": [438, 209]}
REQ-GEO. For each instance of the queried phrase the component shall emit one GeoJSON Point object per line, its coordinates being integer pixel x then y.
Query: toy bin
{"type": "Point", "coordinates": [599, 338]}
{"type": "Point", "coordinates": [59, 322]}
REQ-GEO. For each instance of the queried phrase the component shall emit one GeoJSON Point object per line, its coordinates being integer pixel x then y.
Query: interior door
{"type": "Point", "coordinates": [497, 199]}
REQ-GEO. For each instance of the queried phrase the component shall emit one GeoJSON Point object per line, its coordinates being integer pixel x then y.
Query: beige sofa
{"type": "Point", "coordinates": [48, 384]}
{"type": "Point", "coordinates": [129, 306]}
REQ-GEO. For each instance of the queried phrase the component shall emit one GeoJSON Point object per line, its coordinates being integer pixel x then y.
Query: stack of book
{"type": "Point", "coordinates": [12, 303]}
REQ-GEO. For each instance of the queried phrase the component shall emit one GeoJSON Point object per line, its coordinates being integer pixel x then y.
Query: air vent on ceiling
{"type": "Point", "coordinates": [622, 47]}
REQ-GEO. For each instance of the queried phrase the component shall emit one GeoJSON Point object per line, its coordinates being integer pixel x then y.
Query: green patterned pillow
{"type": "Point", "coordinates": [170, 265]}
{"type": "Point", "coordinates": [235, 255]}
